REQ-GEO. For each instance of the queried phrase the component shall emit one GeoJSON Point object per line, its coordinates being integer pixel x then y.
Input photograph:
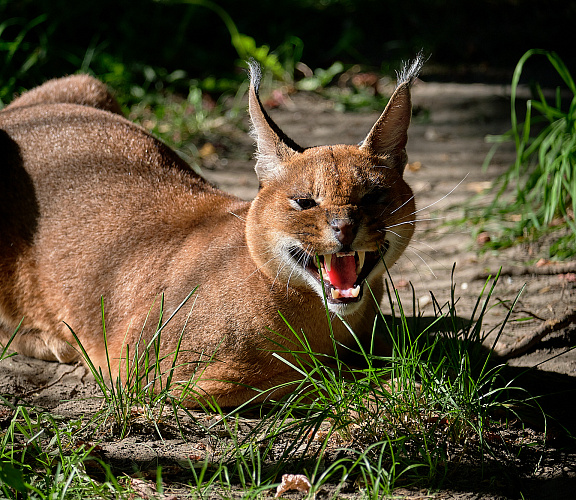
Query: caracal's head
{"type": "Point", "coordinates": [328, 219]}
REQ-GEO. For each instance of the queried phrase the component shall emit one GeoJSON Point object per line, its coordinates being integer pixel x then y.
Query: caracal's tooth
{"type": "Point", "coordinates": [328, 261]}
{"type": "Point", "coordinates": [356, 291]}
{"type": "Point", "coordinates": [361, 258]}
{"type": "Point", "coordinates": [335, 293]}
{"type": "Point", "coordinates": [325, 276]}
{"type": "Point", "coordinates": [345, 254]}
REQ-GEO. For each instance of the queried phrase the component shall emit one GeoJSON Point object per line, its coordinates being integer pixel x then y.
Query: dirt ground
{"type": "Point", "coordinates": [446, 150]}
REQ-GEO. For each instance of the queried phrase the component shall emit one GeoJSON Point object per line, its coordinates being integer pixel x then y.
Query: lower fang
{"type": "Point", "coordinates": [335, 293]}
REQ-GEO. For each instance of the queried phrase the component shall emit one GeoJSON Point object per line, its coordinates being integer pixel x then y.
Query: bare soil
{"type": "Point", "coordinates": [446, 149]}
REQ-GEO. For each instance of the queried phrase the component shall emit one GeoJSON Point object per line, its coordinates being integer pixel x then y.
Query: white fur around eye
{"type": "Point", "coordinates": [294, 204]}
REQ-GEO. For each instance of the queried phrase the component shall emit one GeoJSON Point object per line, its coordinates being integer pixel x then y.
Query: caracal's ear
{"type": "Point", "coordinates": [389, 134]}
{"type": "Point", "coordinates": [273, 146]}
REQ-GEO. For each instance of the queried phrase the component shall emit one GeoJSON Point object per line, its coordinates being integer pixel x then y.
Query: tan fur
{"type": "Point", "coordinates": [91, 206]}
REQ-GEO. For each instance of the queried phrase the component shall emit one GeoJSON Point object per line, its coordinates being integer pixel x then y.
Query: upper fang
{"type": "Point", "coordinates": [360, 264]}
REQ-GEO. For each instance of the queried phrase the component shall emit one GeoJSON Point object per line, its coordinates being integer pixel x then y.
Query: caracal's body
{"type": "Point", "coordinates": [92, 205]}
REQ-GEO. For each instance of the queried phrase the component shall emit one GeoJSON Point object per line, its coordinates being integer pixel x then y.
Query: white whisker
{"type": "Point", "coordinates": [225, 247]}
{"type": "Point", "coordinates": [396, 234]}
{"type": "Point", "coordinates": [260, 267]}
{"type": "Point", "coordinates": [278, 271]}
{"type": "Point", "coordinates": [237, 216]}
{"type": "Point", "coordinates": [293, 265]}
{"type": "Point", "coordinates": [403, 204]}
{"type": "Point", "coordinates": [423, 243]}
{"type": "Point", "coordinates": [443, 197]}
{"type": "Point", "coordinates": [414, 221]}
{"type": "Point", "coordinates": [425, 263]}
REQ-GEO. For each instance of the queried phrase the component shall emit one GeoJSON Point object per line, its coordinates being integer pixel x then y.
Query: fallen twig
{"type": "Point", "coordinates": [525, 343]}
{"type": "Point", "coordinates": [54, 382]}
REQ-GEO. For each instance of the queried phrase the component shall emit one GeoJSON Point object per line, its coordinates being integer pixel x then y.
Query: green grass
{"type": "Point", "coordinates": [39, 457]}
{"type": "Point", "coordinates": [407, 419]}
{"type": "Point", "coordinates": [536, 196]}
{"type": "Point", "coordinates": [145, 385]}
{"type": "Point", "coordinates": [406, 412]}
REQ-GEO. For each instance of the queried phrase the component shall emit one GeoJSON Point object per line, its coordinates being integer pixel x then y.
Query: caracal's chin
{"type": "Point", "coordinates": [346, 309]}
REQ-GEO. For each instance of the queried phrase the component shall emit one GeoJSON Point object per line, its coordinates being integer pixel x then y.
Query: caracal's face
{"type": "Point", "coordinates": [336, 217]}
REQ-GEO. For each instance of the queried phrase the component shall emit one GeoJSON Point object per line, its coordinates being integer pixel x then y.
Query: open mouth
{"type": "Point", "coordinates": [343, 273]}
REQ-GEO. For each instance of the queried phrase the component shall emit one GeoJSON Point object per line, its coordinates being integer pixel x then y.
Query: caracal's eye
{"type": "Point", "coordinates": [375, 197]}
{"type": "Point", "coordinates": [304, 203]}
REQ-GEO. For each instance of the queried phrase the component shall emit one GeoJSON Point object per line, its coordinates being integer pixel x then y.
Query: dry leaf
{"type": "Point", "coordinates": [293, 482]}
{"type": "Point", "coordinates": [424, 301]}
{"type": "Point", "coordinates": [483, 238]}
{"type": "Point", "coordinates": [478, 187]}
{"type": "Point", "coordinates": [207, 150]}
{"type": "Point", "coordinates": [278, 98]}
{"type": "Point", "coordinates": [402, 284]}
{"type": "Point", "coordinates": [414, 167]}
{"type": "Point", "coordinates": [145, 489]}
{"type": "Point", "coordinates": [543, 262]}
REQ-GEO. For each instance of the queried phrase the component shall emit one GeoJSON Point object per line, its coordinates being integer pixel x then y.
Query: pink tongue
{"type": "Point", "coordinates": [342, 272]}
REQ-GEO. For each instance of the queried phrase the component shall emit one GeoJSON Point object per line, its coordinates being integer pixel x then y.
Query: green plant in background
{"type": "Point", "coordinates": [18, 53]}
{"type": "Point", "coordinates": [185, 112]}
{"type": "Point", "coordinates": [189, 123]}
{"type": "Point", "coordinates": [320, 78]}
{"type": "Point", "coordinates": [542, 180]}
{"type": "Point", "coordinates": [244, 45]}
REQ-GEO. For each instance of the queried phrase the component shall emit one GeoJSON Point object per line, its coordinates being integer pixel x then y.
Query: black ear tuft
{"type": "Point", "coordinates": [255, 74]}
{"type": "Point", "coordinates": [410, 70]}
{"type": "Point", "coordinates": [274, 146]}
{"type": "Point", "coordinates": [389, 134]}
